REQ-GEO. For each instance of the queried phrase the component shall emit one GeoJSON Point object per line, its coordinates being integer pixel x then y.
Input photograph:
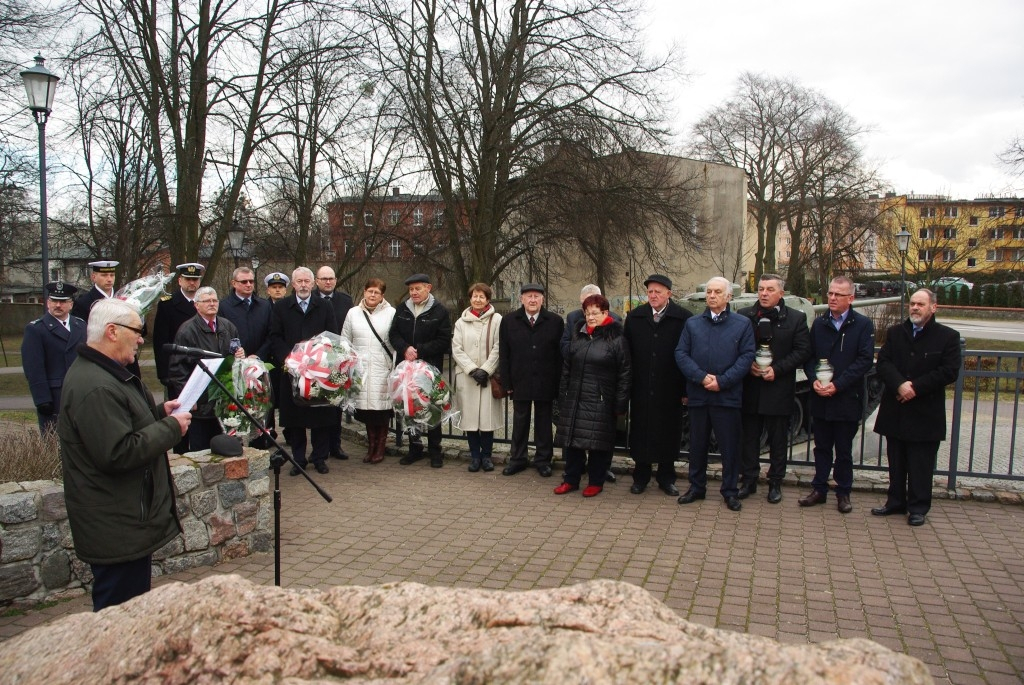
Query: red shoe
{"type": "Point", "coordinates": [566, 487]}
{"type": "Point", "coordinates": [592, 490]}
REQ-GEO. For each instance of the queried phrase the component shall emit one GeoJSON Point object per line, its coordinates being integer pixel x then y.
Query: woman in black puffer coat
{"type": "Point", "coordinates": [594, 389]}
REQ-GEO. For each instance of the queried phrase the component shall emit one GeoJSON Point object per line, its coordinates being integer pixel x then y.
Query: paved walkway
{"type": "Point", "coordinates": [950, 593]}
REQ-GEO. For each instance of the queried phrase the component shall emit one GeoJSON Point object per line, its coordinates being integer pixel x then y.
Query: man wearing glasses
{"type": "Point", "coordinates": [113, 447]}
{"type": "Point", "coordinates": [847, 340]}
{"type": "Point", "coordinates": [205, 331]}
{"type": "Point", "coordinates": [341, 302]}
{"type": "Point", "coordinates": [249, 312]}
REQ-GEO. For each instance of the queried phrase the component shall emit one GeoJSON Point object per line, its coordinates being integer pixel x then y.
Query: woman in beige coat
{"type": "Point", "coordinates": [475, 352]}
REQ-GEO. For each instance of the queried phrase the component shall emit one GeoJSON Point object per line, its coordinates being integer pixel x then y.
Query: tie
{"type": "Point", "coordinates": [303, 304]}
{"type": "Point", "coordinates": [917, 331]}
{"type": "Point", "coordinates": [248, 304]}
{"type": "Point", "coordinates": [657, 317]}
{"type": "Point", "coordinates": [212, 325]}
{"type": "Point", "coordinates": [67, 325]}
{"type": "Point", "coordinates": [532, 321]}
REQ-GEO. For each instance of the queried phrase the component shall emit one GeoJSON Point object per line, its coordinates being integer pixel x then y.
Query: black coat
{"type": "Point", "coordinates": [430, 333]}
{"type": "Point", "coordinates": [83, 303]}
{"type": "Point", "coordinates": [288, 327]}
{"type": "Point", "coordinates": [171, 313]}
{"type": "Point", "coordinates": [340, 301]}
{"type": "Point", "coordinates": [594, 388]}
{"type": "Point", "coordinates": [658, 387]}
{"type": "Point", "coordinates": [791, 348]}
{"type": "Point", "coordinates": [931, 361]}
{"type": "Point", "coordinates": [253, 324]}
{"type": "Point", "coordinates": [196, 333]}
{"type": "Point", "coordinates": [851, 351]}
{"type": "Point", "coordinates": [529, 357]}
{"type": "Point", "coordinates": [573, 321]}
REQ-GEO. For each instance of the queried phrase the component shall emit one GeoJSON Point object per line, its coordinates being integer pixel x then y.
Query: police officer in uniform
{"type": "Point", "coordinates": [47, 350]}
{"type": "Point", "coordinates": [171, 312]}
{"type": "Point", "coordinates": [102, 277]}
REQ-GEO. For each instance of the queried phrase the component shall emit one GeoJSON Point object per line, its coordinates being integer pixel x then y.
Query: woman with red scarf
{"type": "Point", "coordinates": [594, 389]}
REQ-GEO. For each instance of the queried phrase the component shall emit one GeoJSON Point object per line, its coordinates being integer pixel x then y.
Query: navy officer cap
{"type": "Point", "coordinates": [59, 290]}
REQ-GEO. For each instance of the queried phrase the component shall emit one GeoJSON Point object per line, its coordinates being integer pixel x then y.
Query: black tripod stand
{"type": "Point", "coordinates": [277, 458]}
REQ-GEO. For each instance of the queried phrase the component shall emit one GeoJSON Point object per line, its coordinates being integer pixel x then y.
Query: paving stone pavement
{"type": "Point", "coordinates": [950, 593]}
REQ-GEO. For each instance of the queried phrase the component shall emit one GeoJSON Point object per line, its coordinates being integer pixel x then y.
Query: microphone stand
{"type": "Point", "coordinates": [277, 460]}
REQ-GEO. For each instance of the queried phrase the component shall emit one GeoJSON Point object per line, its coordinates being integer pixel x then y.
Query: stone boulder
{"type": "Point", "coordinates": [225, 629]}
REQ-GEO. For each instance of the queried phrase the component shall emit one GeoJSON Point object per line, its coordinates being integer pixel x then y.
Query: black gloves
{"type": "Point", "coordinates": [45, 409]}
{"type": "Point", "coordinates": [480, 376]}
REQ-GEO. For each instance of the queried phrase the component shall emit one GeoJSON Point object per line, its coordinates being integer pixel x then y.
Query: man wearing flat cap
{"type": "Point", "coordinates": [171, 312]}
{"type": "Point", "coordinates": [47, 350]}
{"type": "Point", "coordinates": [530, 363]}
{"type": "Point", "coordinates": [659, 387]}
{"type": "Point", "coordinates": [102, 276]}
{"type": "Point", "coordinates": [422, 329]}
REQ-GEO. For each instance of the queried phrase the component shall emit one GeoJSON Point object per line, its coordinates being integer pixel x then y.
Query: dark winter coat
{"type": "Point", "coordinates": [196, 333]}
{"type": "Point", "coordinates": [430, 333]}
{"type": "Point", "coordinates": [117, 480]}
{"type": "Point", "coordinates": [851, 351]}
{"type": "Point", "coordinates": [170, 315]}
{"type": "Point", "coordinates": [931, 361]}
{"type": "Point", "coordinates": [724, 349]}
{"type": "Point", "coordinates": [47, 352]}
{"type": "Point", "coordinates": [340, 301]}
{"type": "Point", "coordinates": [253, 324]}
{"type": "Point", "coordinates": [791, 347]}
{"type": "Point", "coordinates": [529, 357]}
{"type": "Point", "coordinates": [658, 387]}
{"type": "Point", "coordinates": [288, 327]}
{"type": "Point", "coordinates": [84, 302]}
{"type": "Point", "coordinates": [594, 388]}
{"type": "Point", "coordinates": [573, 321]}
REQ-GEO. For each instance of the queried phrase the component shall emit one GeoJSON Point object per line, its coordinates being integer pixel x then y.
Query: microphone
{"type": "Point", "coordinates": [194, 352]}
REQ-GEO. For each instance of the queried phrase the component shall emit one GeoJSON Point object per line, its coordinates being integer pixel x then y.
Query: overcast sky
{"type": "Point", "coordinates": [940, 84]}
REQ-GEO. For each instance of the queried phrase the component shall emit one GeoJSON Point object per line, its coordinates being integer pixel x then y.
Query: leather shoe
{"type": "Point", "coordinates": [321, 467]}
{"type": "Point", "coordinates": [733, 503]}
{"type": "Point", "coordinates": [544, 470]}
{"type": "Point", "coordinates": [340, 454]}
{"type": "Point", "coordinates": [410, 458]}
{"type": "Point", "coordinates": [566, 487]}
{"type": "Point", "coordinates": [295, 471]}
{"type": "Point", "coordinates": [916, 519]}
{"type": "Point", "coordinates": [843, 504]}
{"type": "Point", "coordinates": [814, 498]}
{"type": "Point", "coordinates": [888, 510]}
{"type": "Point", "coordinates": [774, 493]}
{"type": "Point", "coordinates": [474, 465]}
{"type": "Point", "coordinates": [669, 489]}
{"type": "Point", "coordinates": [513, 469]}
{"type": "Point", "coordinates": [636, 488]}
{"type": "Point", "coordinates": [487, 464]}
{"type": "Point", "coordinates": [747, 489]}
{"type": "Point", "coordinates": [691, 495]}
{"type": "Point", "coordinates": [609, 477]}
{"type": "Point", "coordinates": [592, 490]}
{"type": "Point", "coordinates": [436, 461]}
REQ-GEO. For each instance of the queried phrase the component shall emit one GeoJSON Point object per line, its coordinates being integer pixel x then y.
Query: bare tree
{"type": "Point", "coordinates": [17, 237]}
{"type": "Point", "coordinates": [484, 87]}
{"type": "Point", "coordinates": [1013, 156]}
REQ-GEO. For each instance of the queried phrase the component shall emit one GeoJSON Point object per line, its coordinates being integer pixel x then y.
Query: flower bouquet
{"type": "Point", "coordinates": [420, 394]}
{"type": "Point", "coordinates": [249, 380]}
{"type": "Point", "coordinates": [143, 292]}
{"type": "Point", "coordinates": [325, 370]}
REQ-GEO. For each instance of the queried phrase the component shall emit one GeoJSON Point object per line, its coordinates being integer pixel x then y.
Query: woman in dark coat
{"type": "Point", "coordinates": [594, 389]}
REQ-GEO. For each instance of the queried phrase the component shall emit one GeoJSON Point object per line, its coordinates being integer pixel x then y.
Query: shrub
{"type": "Point", "coordinates": [27, 455]}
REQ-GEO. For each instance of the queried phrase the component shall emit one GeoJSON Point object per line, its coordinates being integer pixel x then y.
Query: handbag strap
{"type": "Point", "coordinates": [391, 354]}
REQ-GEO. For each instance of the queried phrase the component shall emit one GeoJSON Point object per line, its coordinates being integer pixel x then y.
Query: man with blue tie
{"type": "Point", "coordinates": [47, 350]}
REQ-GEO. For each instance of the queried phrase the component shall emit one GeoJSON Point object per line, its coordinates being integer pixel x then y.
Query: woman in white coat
{"type": "Point", "coordinates": [475, 353]}
{"type": "Point", "coordinates": [366, 330]}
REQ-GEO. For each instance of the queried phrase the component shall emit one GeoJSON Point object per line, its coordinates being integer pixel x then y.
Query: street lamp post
{"type": "Point", "coordinates": [903, 243]}
{"type": "Point", "coordinates": [236, 238]}
{"type": "Point", "coordinates": [40, 84]}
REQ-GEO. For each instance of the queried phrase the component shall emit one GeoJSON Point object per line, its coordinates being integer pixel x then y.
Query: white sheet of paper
{"type": "Point", "coordinates": [196, 384]}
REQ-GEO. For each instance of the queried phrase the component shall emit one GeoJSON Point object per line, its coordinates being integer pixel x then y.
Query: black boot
{"type": "Point", "coordinates": [774, 492]}
{"type": "Point", "coordinates": [747, 489]}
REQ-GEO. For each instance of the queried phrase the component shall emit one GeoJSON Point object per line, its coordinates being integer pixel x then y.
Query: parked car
{"type": "Point", "coordinates": [860, 290]}
{"type": "Point", "coordinates": [880, 288]}
{"type": "Point", "coordinates": [952, 283]}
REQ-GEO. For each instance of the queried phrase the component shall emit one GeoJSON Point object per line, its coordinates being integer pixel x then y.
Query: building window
{"type": "Point", "coordinates": [348, 247]}
{"type": "Point", "coordinates": [949, 233]}
{"type": "Point", "coordinates": [417, 248]}
{"type": "Point", "coordinates": [950, 212]}
{"type": "Point", "coordinates": [992, 255]}
{"type": "Point", "coordinates": [417, 216]}
{"type": "Point", "coordinates": [924, 255]}
{"type": "Point", "coordinates": [350, 217]}
{"type": "Point", "coordinates": [367, 218]}
{"type": "Point", "coordinates": [927, 212]}
{"type": "Point", "coordinates": [439, 220]}
{"type": "Point", "coordinates": [393, 217]}
{"type": "Point", "coordinates": [924, 233]}
{"type": "Point", "coordinates": [396, 248]}
{"type": "Point", "coordinates": [996, 212]}
{"type": "Point", "coordinates": [996, 234]}
{"type": "Point", "coordinates": [949, 255]}
{"type": "Point", "coordinates": [974, 221]}
{"type": "Point", "coordinates": [368, 248]}
{"type": "Point", "coordinates": [971, 261]}
{"type": "Point", "coordinates": [972, 242]}
{"type": "Point", "coordinates": [1019, 211]}
{"type": "Point", "coordinates": [1018, 233]}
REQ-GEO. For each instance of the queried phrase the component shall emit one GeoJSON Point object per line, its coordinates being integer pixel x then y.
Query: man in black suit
{"type": "Point", "coordinates": [298, 317]}
{"type": "Point", "coordinates": [102, 277]}
{"type": "Point", "coordinates": [171, 312]}
{"type": "Point", "coordinates": [249, 313]}
{"type": "Point", "coordinates": [531, 365]}
{"type": "Point", "coordinates": [326, 283]}
{"type": "Point", "coordinates": [47, 350]}
{"type": "Point", "coordinates": [919, 359]}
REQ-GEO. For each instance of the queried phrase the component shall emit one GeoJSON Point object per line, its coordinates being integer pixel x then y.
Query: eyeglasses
{"type": "Point", "coordinates": [213, 301]}
{"type": "Point", "coordinates": [835, 294]}
{"type": "Point", "coordinates": [245, 282]}
{"type": "Point", "coordinates": [137, 331]}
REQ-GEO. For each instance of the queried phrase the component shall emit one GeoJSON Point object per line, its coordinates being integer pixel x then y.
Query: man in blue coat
{"type": "Point", "coordinates": [47, 350]}
{"type": "Point", "coordinates": [919, 359]}
{"type": "Point", "coordinates": [714, 353]}
{"type": "Point", "coordinates": [846, 340]}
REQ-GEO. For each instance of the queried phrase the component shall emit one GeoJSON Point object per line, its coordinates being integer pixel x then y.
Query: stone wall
{"type": "Point", "coordinates": [224, 505]}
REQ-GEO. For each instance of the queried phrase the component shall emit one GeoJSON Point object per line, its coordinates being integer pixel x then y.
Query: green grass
{"type": "Point", "coordinates": [27, 418]}
{"type": "Point", "coordinates": [995, 345]}
{"type": "Point", "coordinates": [11, 352]}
